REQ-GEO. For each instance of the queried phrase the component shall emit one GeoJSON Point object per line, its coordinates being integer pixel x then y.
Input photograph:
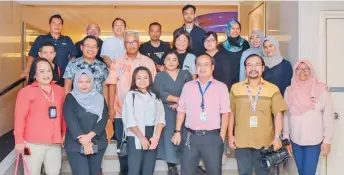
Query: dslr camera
{"type": "Point", "coordinates": [271, 159]}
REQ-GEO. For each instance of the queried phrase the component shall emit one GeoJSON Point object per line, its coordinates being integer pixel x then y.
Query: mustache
{"type": "Point", "coordinates": [253, 71]}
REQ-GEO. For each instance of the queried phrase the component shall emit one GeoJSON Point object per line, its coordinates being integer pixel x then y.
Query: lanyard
{"type": "Point", "coordinates": [253, 101]}
{"type": "Point", "coordinates": [203, 92]}
{"type": "Point", "coordinates": [46, 97]}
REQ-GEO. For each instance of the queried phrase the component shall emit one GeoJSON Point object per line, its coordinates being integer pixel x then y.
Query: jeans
{"type": "Point", "coordinates": [306, 158]}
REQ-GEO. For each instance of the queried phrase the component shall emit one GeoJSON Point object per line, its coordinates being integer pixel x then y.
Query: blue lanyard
{"type": "Point", "coordinates": [203, 92]}
{"type": "Point", "coordinates": [255, 100]}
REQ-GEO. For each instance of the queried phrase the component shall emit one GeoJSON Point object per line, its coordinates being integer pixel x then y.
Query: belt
{"type": "Point", "coordinates": [203, 132]}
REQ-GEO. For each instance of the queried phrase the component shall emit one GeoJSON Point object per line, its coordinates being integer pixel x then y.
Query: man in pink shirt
{"type": "Point", "coordinates": [119, 81]}
{"type": "Point", "coordinates": [204, 105]}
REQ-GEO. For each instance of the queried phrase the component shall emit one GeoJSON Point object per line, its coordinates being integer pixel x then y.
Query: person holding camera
{"type": "Point", "coordinates": [309, 121]}
{"type": "Point", "coordinates": [251, 124]}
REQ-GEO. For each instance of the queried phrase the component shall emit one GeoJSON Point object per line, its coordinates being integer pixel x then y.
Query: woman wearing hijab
{"type": "Point", "coordinates": [277, 70]}
{"type": "Point", "coordinates": [86, 114]}
{"type": "Point", "coordinates": [234, 46]}
{"type": "Point", "coordinates": [256, 47]}
{"type": "Point", "coordinates": [309, 121]}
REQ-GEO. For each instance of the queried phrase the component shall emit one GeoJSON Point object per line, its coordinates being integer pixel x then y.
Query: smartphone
{"type": "Point", "coordinates": [27, 152]}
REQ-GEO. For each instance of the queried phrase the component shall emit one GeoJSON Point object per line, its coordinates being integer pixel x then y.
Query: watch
{"type": "Point", "coordinates": [175, 131]}
{"type": "Point", "coordinates": [279, 136]}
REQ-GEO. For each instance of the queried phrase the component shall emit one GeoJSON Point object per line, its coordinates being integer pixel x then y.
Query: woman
{"type": "Point", "coordinates": [256, 47]}
{"type": "Point", "coordinates": [39, 127]}
{"type": "Point", "coordinates": [277, 70]}
{"type": "Point", "coordinates": [143, 118]}
{"type": "Point", "coordinates": [86, 114]}
{"type": "Point", "coordinates": [234, 46]}
{"type": "Point", "coordinates": [168, 85]}
{"type": "Point", "coordinates": [182, 44]}
{"type": "Point", "coordinates": [309, 121]}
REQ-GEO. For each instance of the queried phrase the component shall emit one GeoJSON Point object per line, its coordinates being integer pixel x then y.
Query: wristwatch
{"type": "Point", "coordinates": [175, 131]}
{"type": "Point", "coordinates": [279, 136]}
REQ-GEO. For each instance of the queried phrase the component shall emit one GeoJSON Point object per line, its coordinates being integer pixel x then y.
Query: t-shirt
{"type": "Point", "coordinates": [155, 53]}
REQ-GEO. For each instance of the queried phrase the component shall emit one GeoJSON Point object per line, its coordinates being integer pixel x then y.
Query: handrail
{"type": "Point", "coordinates": [12, 86]}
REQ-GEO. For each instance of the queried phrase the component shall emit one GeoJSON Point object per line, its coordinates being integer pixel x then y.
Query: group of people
{"type": "Point", "coordinates": [176, 104]}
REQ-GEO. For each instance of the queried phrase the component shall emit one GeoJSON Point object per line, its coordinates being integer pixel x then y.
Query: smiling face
{"type": "Point", "coordinates": [132, 44]}
{"type": "Point", "coordinates": [182, 43]}
{"type": "Point", "coordinates": [204, 66]}
{"type": "Point", "coordinates": [210, 44]}
{"type": "Point", "coordinates": [235, 30]}
{"type": "Point", "coordinates": [171, 62]}
{"type": "Point", "coordinates": [44, 74]}
{"type": "Point", "coordinates": [119, 28]}
{"type": "Point", "coordinates": [85, 83]}
{"type": "Point", "coordinates": [47, 52]}
{"type": "Point", "coordinates": [93, 30]}
{"type": "Point", "coordinates": [303, 72]}
{"type": "Point", "coordinates": [142, 80]}
{"type": "Point", "coordinates": [255, 40]}
{"type": "Point", "coordinates": [269, 48]}
{"type": "Point", "coordinates": [254, 67]}
{"type": "Point", "coordinates": [90, 48]}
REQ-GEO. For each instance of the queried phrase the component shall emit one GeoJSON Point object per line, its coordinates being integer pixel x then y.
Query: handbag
{"type": "Point", "coordinates": [24, 164]}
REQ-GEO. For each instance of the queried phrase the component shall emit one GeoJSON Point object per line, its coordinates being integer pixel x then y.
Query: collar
{"type": "Point", "coordinates": [35, 83]}
{"type": "Point", "coordinates": [138, 56]}
{"type": "Point", "coordinates": [194, 26]}
{"type": "Point", "coordinates": [262, 81]}
{"type": "Point", "coordinates": [49, 34]}
{"type": "Point", "coordinates": [210, 80]}
{"type": "Point", "coordinates": [83, 60]}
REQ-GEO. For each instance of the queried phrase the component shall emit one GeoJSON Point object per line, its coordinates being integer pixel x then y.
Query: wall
{"type": "Point", "coordinates": [245, 8]}
{"type": "Point", "coordinates": [10, 60]}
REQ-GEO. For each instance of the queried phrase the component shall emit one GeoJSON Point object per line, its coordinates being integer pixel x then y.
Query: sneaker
{"type": "Point", "coordinates": [172, 171]}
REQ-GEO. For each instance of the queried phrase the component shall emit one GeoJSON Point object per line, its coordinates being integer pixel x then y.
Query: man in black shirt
{"type": "Point", "coordinates": [155, 48]}
{"type": "Point", "coordinates": [196, 33]}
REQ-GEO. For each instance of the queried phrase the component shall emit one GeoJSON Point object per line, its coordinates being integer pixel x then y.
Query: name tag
{"type": "Point", "coordinates": [253, 122]}
{"type": "Point", "coordinates": [203, 117]}
{"type": "Point", "coordinates": [52, 112]}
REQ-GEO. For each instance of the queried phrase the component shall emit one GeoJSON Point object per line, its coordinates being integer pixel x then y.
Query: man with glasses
{"type": "Point", "coordinates": [256, 117]}
{"type": "Point", "coordinates": [204, 105]}
{"type": "Point", "coordinates": [119, 81]}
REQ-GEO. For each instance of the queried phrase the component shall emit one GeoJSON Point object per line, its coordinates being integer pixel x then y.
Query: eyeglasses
{"type": "Point", "coordinates": [302, 70]}
{"type": "Point", "coordinates": [210, 41]}
{"type": "Point", "coordinates": [203, 65]}
{"type": "Point", "coordinates": [134, 43]}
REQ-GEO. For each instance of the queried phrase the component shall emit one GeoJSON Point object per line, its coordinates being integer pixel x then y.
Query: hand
{"type": "Point", "coordinates": [290, 150]}
{"type": "Point", "coordinates": [174, 106]}
{"type": "Point", "coordinates": [325, 149]}
{"type": "Point", "coordinates": [88, 148]}
{"type": "Point", "coordinates": [20, 148]}
{"type": "Point", "coordinates": [25, 74]}
{"type": "Point", "coordinates": [176, 139]}
{"type": "Point", "coordinates": [84, 139]}
{"type": "Point", "coordinates": [160, 68]}
{"type": "Point", "coordinates": [63, 141]}
{"type": "Point", "coordinates": [231, 142]}
{"type": "Point", "coordinates": [154, 142]}
{"type": "Point", "coordinates": [144, 143]}
{"type": "Point", "coordinates": [277, 143]}
{"type": "Point", "coordinates": [117, 107]}
{"type": "Point", "coordinates": [223, 136]}
{"type": "Point", "coordinates": [112, 114]}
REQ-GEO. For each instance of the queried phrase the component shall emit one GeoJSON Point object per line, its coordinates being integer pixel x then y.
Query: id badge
{"type": "Point", "coordinates": [253, 122]}
{"type": "Point", "coordinates": [203, 117]}
{"type": "Point", "coordinates": [52, 112]}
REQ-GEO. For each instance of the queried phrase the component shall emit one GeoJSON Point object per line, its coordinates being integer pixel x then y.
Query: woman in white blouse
{"type": "Point", "coordinates": [144, 118]}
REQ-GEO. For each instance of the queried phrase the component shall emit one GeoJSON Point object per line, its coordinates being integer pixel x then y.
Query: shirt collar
{"type": "Point", "coordinates": [210, 80]}
{"type": "Point", "coordinates": [49, 34]}
{"type": "Point", "coordinates": [137, 57]}
{"type": "Point", "coordinates": [184, 27]}
{"type": "Point", "coordinates": [83, 61]}
{"type": "Point", "coordinates": [35, 83]}
{"type": "Point", "coordinates": [262, 81]}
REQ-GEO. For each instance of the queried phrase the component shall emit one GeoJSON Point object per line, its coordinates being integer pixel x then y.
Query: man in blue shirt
{"type": "Point", "coordinates": [65, 49]}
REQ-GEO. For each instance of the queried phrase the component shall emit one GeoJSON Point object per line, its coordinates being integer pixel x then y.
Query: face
{"type": "Point", "coordinates": [142, 79]}
{"type": "Point", "coordinates": [155, 32]}
{"type": "Point", "coordinates": [171, 62]}
{"type": "Point", "coordinates": [189, 15]}
{"type": "Point", "coordinates": [303, 72]}
{"type": "Point", "coordinates": [85, 83]}
{"type": "Point", "coordinates": [254, 67]}
{"type": "Point", "coordinates": [93, 30]}
{"type": "Point", "coordinates": [44, 74]}
{"type": "Point", "coordinates": [204, 67]}
{"type": "Point", "coordinates": [119, 28]}
{"type": "Point", "coordinates": [56, 25]}
{"type": "Point", "coordinates": [255, 40]}
{"type": "Point", "coordinates": [235, 30]}
{"type": "Point", "coordinates": [182, 43]}
{"type": "Point", "coordinates": [47, 52]}
{"type": "Point", "coordinates": [210, 43]}
{"type": "Point", "coordinates": [131, 44]}
{"type": "Point", "coordinates": [269, 48]}
{"type": "Point", "coordinates": [89, 48]}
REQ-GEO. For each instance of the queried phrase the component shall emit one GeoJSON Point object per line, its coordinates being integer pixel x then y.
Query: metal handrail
{"type": "Point", "coordinates": [12, 86]}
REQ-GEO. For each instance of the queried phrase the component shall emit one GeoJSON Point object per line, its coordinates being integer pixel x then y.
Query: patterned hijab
{"type": "Point", "coordinates": [233, 44]}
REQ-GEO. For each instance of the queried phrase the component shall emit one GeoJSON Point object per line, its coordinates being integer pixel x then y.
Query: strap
{"type": "Point", "coordinates": [59, 71]}
{"type": "Point", "coordinates": [24, 163]}
{"type": "Point", "coordinates": [124, 136]}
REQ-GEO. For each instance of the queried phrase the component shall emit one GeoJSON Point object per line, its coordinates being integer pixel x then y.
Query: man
{"type": "Point", "coordinates": [92, 29]}
{"type": "Point", "coordinates": [89, 47]}
{"type": "Point", "coordinates": [155, 48]}
{"type": "Point", "coordinates": [113, 47]}
{"type": "Point", "coordinates": [119, 81]}
{"type": "Point", "coordinates": [204, 105]}
{"type": "Point", "coordinates": [196, 32]}
{"type": "Point", "coordinates": [65, 49]}
{"type": "Point", "coordinates": [251, 124]}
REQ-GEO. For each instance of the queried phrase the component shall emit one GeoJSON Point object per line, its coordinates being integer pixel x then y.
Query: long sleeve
{"type": "Point", "coordinates": [328, 118]}
{"type": "Point", "coordinates": [70, 117]}
{"type": "Point", "coordinates": [128, 117]}
{"type": "Point", "coordinates": [22, 109]}
{"type": "Point", "coordinates": [160, 113]}
{"type": "Point", "coordinates": [100, 126]}
{"type": "Point", "coordinates": [242, 73]}
{"type": "Point", "coordinates": [286, 128]}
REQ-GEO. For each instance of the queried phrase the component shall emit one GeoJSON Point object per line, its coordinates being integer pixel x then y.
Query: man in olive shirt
{"type": "Point", "coordinates": [251, 124]}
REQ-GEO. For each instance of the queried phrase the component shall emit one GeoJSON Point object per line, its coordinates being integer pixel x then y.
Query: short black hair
{"type": "Point", "coordinates": [154, 24]}
{"type": "Point", "coordinates": [90, 37]}
{"type": "Point", "coordinates": [180, 33]}
{"type": "Point", "coordinates": [208, 34]}
{"type": "Point", "coordinates": [58, 16]}
{"type": "Point", "coordinates": [48, 44]}
{"type": "Point", "coordinates": [118, 19]}
{"type": "Point", "coordinates": [32, 73]}
{"type": "Point", "coordinates": [189, 6]}
{"type": "Point", "coordinates": [255, 55]}
{"type": "Point", "coordinates": [212, 60]}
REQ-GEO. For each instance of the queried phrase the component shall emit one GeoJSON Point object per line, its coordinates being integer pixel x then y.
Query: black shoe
{"type": "Point", "coordinates": [123, 172]}
{"type": "Point", "coordinates": [201, 171]}
{"type": "Point", "coordinates": [172, 171]}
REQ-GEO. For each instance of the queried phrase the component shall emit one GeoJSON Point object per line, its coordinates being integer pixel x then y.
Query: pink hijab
{"type": "Point", "coordinates": [303, 95]}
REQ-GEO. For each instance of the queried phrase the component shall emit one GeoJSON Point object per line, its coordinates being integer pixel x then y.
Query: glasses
{"type": "Point", "coordinates": [210, 41]}
{"type": "Point", "coordinates": [134, 43]}
{"type": "Point", "coordinates": [302, 70]}
{"type": "Point", "coordinates": [206, 65]}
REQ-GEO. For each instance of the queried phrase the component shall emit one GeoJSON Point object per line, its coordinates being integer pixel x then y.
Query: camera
{"type": "Point", "coordinates": [271, 158]}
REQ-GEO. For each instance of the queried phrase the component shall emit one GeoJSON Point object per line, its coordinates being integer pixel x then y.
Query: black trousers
{"type": "Point", "coordinates": [208, 147]}
{"type": "Point", "coordinates": [141, 162]}
{"type": "Point", "coordinates": [85, 165]}
{"type": "Point", "coordinates": [247, 160]}
{"type": "Point", "coordinates": [123, 161]}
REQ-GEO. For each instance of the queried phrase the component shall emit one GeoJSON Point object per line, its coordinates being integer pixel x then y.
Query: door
{"type": "Point", "coordinates": [335, 81]}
